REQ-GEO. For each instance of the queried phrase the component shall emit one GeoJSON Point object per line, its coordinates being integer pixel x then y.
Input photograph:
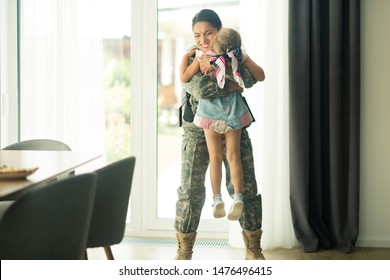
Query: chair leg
{"type": "Point", "coordinates": [108, 252]}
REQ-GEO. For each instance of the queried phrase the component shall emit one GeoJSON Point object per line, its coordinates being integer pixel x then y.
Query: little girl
{"type": "Point", "coordinates": [223, 116]}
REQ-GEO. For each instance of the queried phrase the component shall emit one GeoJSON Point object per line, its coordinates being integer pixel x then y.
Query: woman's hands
{"type": "Point", "coordinates": [204, 64]}
{"type": "Point", "coordinates": [233, 86]}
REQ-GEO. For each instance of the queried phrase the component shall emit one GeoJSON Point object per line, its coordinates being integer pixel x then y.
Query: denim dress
{"type": "Point", "coordinates": [223, 113]}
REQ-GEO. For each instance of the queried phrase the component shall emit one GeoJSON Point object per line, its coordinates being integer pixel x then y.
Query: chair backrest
{"type": "Point", "coordinates": [39, 144]}
{"type": "Point", "coordinates": [113, 187]}
{"type": "Point", "coordinates": [49, 222]}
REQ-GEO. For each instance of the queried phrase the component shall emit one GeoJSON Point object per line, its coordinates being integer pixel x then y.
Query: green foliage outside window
{"type": "Point", "coordinates": [117, 98]}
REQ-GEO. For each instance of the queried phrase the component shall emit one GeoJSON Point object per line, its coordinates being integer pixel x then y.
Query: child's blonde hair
{"type": "Point", "coordinates": [226, 40]}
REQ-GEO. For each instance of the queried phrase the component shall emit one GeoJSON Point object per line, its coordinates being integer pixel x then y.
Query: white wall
{"type": "Point", "coordinates": [375, 124]}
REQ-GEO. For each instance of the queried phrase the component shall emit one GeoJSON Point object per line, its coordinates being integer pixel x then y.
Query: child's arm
{"type": "Point", "coordinates": [188, 71]}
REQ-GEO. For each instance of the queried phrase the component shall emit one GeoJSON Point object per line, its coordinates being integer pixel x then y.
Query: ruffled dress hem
{"type": "Point", "coordinates": [222, 126]}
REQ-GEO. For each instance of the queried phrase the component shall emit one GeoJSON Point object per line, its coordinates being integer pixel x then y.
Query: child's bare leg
{"type": "Point", "coordinates": [233, 156]}
{"type": "Point", "coordinates": [214, 146]}
{"type": "Point", "coordinates": [232, 142]}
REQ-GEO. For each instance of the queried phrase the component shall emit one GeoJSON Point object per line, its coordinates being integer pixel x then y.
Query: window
{"type": "Point", "coordinates": [75, 73]}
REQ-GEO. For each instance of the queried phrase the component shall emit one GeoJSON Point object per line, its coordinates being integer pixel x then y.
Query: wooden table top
{"type": "Point", "coordinates": [51, 164]}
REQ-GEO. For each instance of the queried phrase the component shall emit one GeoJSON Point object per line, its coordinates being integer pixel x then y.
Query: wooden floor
{"type": "Point", "coordinates": [141, 252]}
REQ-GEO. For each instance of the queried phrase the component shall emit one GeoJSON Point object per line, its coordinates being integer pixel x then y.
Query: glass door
{"type": "Point", "coordinates": [174, 38]}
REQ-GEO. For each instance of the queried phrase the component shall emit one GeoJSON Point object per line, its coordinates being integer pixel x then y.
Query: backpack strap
{"type": "Point", "coordinates": [185, 111]}
{"type": "Point", "coordinates": [249, 109]}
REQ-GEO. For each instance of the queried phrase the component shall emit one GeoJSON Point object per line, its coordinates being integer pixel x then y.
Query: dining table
{"type": "Point", "coordinates": [44, 166]}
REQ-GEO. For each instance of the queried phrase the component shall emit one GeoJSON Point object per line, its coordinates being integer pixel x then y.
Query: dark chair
{"type": "Point", "coordinates": [113, 187]}
{"type": "Point", "coordinates": [49, 222]}
{"type": "Point", "coordinates": [39, 145]}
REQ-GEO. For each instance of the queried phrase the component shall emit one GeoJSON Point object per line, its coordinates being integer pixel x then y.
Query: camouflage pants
{"type": "Point", "coordinates": [192, 193]}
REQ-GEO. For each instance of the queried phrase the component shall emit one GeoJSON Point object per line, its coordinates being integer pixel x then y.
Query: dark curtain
{"type": "Point", "coordinates": [324, 66]}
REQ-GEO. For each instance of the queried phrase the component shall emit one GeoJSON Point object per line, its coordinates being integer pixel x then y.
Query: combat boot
{"type": "Point", "coordinates": [185, 242]}
{"type": "Point", "coordinates": [252, 240]}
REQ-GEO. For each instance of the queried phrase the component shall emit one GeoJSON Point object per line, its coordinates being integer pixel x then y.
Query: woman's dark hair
{"type": "Point", "coordinates": [208, 16]}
